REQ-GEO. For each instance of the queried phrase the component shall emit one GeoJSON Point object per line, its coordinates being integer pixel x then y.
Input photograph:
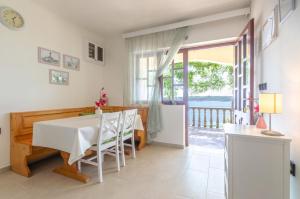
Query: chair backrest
{"type": "Point", "coordinates": [109, 127]}
{"type": "Point", "coordinates": [128, 120]}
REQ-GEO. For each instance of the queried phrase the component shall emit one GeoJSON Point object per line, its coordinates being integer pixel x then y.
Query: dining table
{"type": "Point", "coordinates": [72, 137]}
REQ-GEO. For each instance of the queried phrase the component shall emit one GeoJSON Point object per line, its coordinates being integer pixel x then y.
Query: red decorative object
{"type": "Point", "coordinates": [103, 99]}
{"type": "Point", "coordinates": [256, 108]}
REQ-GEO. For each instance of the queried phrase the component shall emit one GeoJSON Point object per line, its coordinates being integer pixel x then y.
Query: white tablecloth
{"type": "Point", "coordinates": [73, 135]}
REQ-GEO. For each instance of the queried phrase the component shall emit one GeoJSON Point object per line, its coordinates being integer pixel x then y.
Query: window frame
{"type": "Point", "coordinates": [184, 85]}
{"type": "Point", "coordinates": [137, 78]}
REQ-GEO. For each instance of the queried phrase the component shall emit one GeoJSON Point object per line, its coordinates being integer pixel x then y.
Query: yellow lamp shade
{"type": "Point", "coordinates": [270, 103]}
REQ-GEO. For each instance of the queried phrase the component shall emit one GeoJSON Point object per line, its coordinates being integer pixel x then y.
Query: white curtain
{"type": "Point", "coordinates": [149, 56]}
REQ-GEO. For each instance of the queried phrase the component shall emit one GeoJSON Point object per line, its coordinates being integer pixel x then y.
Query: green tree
{"type": "Point", "coordinates": [202, 77]}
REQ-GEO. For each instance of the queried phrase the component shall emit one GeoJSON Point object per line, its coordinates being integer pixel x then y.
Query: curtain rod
{"type": "Point", "coordinates": [190, 22]}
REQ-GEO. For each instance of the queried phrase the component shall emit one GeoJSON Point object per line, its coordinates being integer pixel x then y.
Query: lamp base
{"type": "Point", "coordinates": [272, 133]}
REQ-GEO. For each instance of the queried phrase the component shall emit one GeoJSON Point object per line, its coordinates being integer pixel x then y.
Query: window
{"type": "Point", "coordinates": [145, 76]}
{"type": "Point", "coordinates": [173, 81]}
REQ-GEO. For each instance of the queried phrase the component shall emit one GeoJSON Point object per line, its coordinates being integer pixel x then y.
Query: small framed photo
{"type": "Point", "coordinates": [71, 62]}
{"type": "Point", "coordinates": [286, 7]}
{"type": "Point", "coordinates": [46, 56]}
{"type": "Point", "coordinates": [58, 77]}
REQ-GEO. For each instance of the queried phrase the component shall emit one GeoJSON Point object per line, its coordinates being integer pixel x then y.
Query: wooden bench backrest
{"type": "Point", "coordinates": [142, 111]}
{"type": "Point", "coordinates": [21, 123]}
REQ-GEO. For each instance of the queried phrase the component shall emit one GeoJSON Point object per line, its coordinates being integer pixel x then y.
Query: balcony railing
{"type": "Point", "coordinates": [203, 117]}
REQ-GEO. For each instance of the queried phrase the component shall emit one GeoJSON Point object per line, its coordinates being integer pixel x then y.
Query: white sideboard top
{"type": "Point", "coordinates": [251, 130]}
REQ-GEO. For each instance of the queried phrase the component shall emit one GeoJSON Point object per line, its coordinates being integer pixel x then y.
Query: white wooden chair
{"type": "Point", "coordinates": [127, 132]}
{"type": "Point", "coordinates": [108, 142]}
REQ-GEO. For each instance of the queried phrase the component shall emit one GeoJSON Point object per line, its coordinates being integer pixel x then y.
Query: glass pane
{"type": "Point", "coordinates": [235, 55]}
{"type": "Point", "coordinates": [240, 58]}
{"type": "Point", "coordinates": [142, 68]}
{"type": "Point", "coordinates": [178, 76]}
{"type": "Point", "coordinates": [245, 46]}
{"type": "Point", "coordinates": [168, 71]}
{"type": "Point", "coordinates": [152, 63]}
{"type": "Point", "coordinates": [240, 94]}
{"type": "Point", "coordinates": [235, 78]}
{"type": "Point", "coordinates": [150, 92]}
{"type": "Point", "coordinates": [178, 60]}
{"type": "Point", "coordinates": [151, 78]}
{"type": "Point", "coordinates": [143, 61]}
{"type": "Point", "coordinates": [142, 72]}
{"type": "Point", "coordinates": [167, 88]}
{"type": "Point", "coordinates": [178, 93]}
{"type": "Point", "coordinates": [141, 92]}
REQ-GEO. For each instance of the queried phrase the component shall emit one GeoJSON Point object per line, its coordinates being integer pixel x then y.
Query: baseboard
{"type": "Point", "coordinates": [177, 146]}
{"type": "Point", "coordinates": [4, 169]}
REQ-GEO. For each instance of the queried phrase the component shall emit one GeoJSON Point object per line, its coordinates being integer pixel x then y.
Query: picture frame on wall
{"type": "Point", "coordinates": [269, 29]}
{"type": "Point", "coordinates": [286, 7]}
{"type": "Point", "coordinates": [70, 62]}
{"type": "Point", "coordinates": [58, 77]}
{"type": "Point", "coordinates": [50, 57]}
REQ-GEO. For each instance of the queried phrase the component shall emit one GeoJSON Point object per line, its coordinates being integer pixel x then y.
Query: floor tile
{"type": "Point", "coordinates": [215, 196]}
{"type": "Point", "coordinates": [217, 161]}
{"type": "Point", "coordinates": [216, 181]}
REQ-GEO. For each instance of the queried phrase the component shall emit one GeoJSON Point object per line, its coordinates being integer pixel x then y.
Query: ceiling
{"type": "Point", "coordinates": [121, 16]}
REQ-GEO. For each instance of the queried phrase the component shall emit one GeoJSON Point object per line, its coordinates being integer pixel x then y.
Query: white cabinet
{"type": "Point", "coordinates": [256, 166]}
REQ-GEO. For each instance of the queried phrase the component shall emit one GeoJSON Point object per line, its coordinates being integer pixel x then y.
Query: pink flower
{"type": "Point", "coordinates": [103, 98]}
{"type": "Point", "coordinates": [256, 108]}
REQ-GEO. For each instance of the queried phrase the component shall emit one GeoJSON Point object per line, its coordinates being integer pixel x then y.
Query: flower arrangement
{"type": "Point", "coordinates": [256, 108]}
{"type": "Point", "coordinates": [103, 99]}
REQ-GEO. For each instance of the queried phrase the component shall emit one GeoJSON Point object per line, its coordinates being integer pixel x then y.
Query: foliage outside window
{"type": "Point", "coordinates": [202, 77]}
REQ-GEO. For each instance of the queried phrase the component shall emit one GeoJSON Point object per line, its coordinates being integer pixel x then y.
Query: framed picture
{"type": "Point", "coordinates": [46, 56]}
{"type": "Point", "coordinates": [269, 29]}
{"type": "Point", "coordinates": [70, 62]}
{"type": "Point", "coordinates": [286, 7]}
{"type": "Point", "coordinates": [58, 77]}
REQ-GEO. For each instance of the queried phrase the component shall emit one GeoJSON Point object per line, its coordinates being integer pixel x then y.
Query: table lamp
{"type": "Point", "coordinates": [270, 103]}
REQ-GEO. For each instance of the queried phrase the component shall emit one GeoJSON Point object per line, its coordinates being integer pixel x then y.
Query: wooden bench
{"type": "Point", "coordinates": [22, 153]}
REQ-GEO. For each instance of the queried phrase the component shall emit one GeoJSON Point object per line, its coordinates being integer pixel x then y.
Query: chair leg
{"type": "Point", "coordinates": [123, 153]}
{"type": "Point", "coordinates": [99, 159]}
{"type": "Point", "coordinates": [118, 158]}
{"type": "Point", "coordinates": [133, 147]}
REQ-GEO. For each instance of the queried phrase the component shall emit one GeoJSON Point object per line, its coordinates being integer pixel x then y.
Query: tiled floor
{"type": "Point", "coordinates": [206, 137]}
{"type": "Point", "coordinates": [157, 173]}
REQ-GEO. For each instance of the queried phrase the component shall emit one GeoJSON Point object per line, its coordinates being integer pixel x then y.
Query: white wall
{"type": "Point", "coordinates": [217, 30]}
{"type": "Point", "coordinates": [173, 120]}
{"type": "Point", "coordinates": [279, 66]}
{"type": "Point", "coordinates": [24, 83]}
{"type": "Point", "coordinates": [116, 60]}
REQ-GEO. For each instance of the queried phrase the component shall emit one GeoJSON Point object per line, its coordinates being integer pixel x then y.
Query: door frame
{"type": "Point", "coordinates": [248, 30]}
{"type": "Point", "coordinates": [185, 51]}
{"type": "Point", "coordinates": [231, 42]}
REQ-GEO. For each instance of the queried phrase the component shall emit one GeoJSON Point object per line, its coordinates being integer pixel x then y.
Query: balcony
{"type": "Point", "coordinates": [206, 126]}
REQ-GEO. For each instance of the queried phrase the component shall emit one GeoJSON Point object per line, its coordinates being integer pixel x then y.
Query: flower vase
{"type": "Point", "coordinates": [98, 111]}
{"type": "Point", "coordinates": [261, 124]}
